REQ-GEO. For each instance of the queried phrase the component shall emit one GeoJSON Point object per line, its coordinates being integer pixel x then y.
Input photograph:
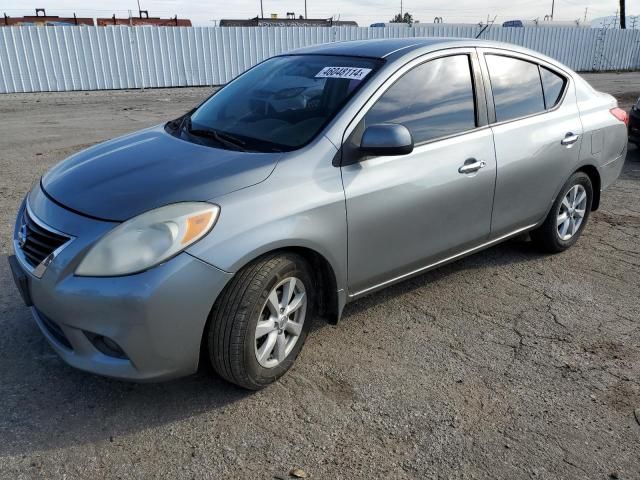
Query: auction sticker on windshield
{"type": "Point", "coordinates": [351, 73]}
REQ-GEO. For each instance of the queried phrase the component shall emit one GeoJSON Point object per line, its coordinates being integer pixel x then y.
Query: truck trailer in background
{"type": "Point", "coordinates": [41, 19]}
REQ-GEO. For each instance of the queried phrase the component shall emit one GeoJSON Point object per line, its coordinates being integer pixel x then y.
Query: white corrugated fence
{"type": "Point", "coordinates": [46, 59]}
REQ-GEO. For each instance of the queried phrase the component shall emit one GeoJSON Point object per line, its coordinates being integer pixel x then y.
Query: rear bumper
{"type": "Point", "coordinates": [156, 318]}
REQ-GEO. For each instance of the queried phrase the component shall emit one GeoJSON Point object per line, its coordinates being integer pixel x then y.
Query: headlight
{"type": "Point", "coordinates": [149, 239]}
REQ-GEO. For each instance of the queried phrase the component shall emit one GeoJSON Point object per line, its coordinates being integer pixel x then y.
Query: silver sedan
{"type": "Point", "coordinates": [312, 179]}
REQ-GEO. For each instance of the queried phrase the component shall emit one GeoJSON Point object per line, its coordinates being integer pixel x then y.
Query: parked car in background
{"type": "Point", "coordinates": [309, 181]}
{"type": "Point", "coordinates": [513, 23]}
{"type": "Point", "coordinates": [634, 123]}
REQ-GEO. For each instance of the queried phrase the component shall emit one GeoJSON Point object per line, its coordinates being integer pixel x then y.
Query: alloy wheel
{"type": "Point", "coordinates": [280, 324]}
{"type": "Point", "coordinates": [571, 212]}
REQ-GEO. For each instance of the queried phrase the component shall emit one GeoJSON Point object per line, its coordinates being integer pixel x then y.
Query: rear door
{"type": "Point", "coordinates": [537, 134]}
{"type": "Point", "coordinates": [407, 212]}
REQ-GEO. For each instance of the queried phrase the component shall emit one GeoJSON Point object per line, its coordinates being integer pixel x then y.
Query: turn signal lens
{"type": "Point", "coordinates": [196, 225]}
{"type": "Point", "coordinates": [620, 115]}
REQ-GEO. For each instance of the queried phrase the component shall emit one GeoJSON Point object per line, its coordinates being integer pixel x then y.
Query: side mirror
{"type": "Point", "coordinates": [386, 139]}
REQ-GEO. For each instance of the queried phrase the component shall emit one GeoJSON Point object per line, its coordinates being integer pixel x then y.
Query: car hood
{"type": "Point", "coordinates": [124, 177]}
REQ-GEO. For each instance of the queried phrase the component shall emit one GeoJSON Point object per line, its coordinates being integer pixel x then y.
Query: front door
{"type": "Point", "coordinates": [407, 212]}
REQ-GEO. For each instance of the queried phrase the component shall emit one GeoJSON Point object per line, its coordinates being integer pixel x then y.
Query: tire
{"type": "Point", "coordinates": [232, 346]}
{"type": "Point", "coordinates": [549, 235]}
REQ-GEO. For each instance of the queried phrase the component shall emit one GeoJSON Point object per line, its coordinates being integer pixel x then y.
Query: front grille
{"type": "Point", "coordinates": [36, 241]}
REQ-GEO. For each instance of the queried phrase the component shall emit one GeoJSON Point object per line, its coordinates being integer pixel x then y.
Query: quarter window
{"type": "Point", "coordinates": [432, 100]}
{"type": "Point", "coordinates": [553, 85]}
{"type": "Point", "coordinates": [516, 86]}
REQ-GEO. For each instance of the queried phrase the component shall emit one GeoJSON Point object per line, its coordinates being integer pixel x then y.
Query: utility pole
{"type": "Point", "coordinates": [401, 17]}
{"type": "Point", "coordinates": [261, 10]}
{"type": "Point", "coordinates": [585, 15]}
{"type": "Point", "coordinates": [553, 4]}
{"type": "Point", "coordinates": [623, 15]}
{"type": "Point", "coordinates": [305, 9]}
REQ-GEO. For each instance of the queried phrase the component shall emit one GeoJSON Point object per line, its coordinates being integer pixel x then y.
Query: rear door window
{"type": "Point", "coordinates": [553, 85]}
{"type": "Point", "coordinates": [516, 86]}
{"type": "Point", "coordinates": [434, 99]}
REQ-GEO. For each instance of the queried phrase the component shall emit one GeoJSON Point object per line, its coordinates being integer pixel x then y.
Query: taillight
{"type": "Point", "coordinates": [620, 115]}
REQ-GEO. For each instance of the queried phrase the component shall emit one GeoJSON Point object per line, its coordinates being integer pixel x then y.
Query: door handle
{"type": "Point", "coordinates": [472, 165]}
{"type": "Point", "coordinates": [569, 139]}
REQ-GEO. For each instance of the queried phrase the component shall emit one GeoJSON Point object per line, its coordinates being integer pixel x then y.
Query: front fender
{"type": "Point", "coordinates": [300, 205]}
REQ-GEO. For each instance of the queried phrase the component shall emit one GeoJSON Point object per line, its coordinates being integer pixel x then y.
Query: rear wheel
{"type": "Point", "coordinates": [568, 215]}
{"type": "Point", "coordinates": [259, 323]}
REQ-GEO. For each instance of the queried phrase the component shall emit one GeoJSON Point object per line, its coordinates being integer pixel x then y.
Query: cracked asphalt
{"type": "Point", "coordinates": [507, 364]}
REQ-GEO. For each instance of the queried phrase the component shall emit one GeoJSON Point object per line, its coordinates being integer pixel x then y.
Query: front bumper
{"type": "Point", "coordinates": [634, 126]}
{"type": "Point", "coordinates": [156, 318]}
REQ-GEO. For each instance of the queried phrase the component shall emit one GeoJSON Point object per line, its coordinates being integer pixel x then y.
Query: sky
{"type": "Point", "coordinates": [365, 12]}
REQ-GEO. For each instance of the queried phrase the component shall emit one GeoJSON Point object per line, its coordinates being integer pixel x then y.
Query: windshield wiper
{"type": "Point", "coordinates": [221, 137]}
{"type": "Point", "coordinates": [232, 139]}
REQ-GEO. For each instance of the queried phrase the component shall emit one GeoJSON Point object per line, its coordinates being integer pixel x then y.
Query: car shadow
{"type": "Point", "coordinates": [45, 404]}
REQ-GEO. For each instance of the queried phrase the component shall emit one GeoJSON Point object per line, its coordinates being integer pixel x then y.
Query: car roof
{"type": "Point", "coordinates": [383, 47]}
{"type": "Point", "coordinates": [395, 48]}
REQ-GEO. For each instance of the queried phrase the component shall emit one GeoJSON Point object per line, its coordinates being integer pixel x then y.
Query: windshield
{"type": "Point", "coordinates": [281, 104]}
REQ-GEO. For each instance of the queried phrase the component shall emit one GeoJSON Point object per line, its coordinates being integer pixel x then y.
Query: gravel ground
{"type": "Point", "coordinates": [508, 364]}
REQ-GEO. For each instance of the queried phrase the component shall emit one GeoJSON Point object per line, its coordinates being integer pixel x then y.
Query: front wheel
{"type": "Point", "coordinates": [260, 322]}
{"type": "Point", "coordinates": [568, 215]}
